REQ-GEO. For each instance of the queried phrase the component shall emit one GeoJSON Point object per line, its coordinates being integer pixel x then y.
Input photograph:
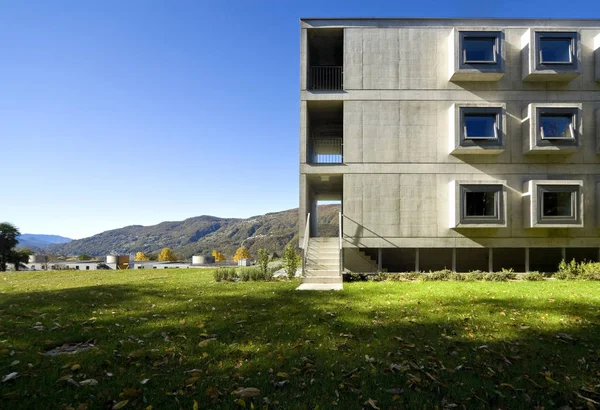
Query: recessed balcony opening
{"type": "Point", "coordinates": [324, 202]}
{"type": "Point", "coordinates": [325, 59]}
{"type": "Point", "coordinates": [325, 132]}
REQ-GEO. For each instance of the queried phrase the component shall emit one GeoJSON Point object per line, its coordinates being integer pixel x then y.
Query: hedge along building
{"type": "Point", "coordinates": [458, 143]}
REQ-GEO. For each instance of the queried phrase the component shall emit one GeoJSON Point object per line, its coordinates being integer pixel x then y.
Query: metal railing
{"type": "Point", "coordinates": [330, 77]}
{"type": "Point", "coordinates": [305, 243]}
{"type": "Point", "coordinates": [341, 247]}
{"type": "Point", "coordinates": [326, 151]}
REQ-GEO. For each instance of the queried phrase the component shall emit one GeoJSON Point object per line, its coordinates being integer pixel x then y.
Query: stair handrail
{"type": "Point", "coordinates": [305, 242]}
{"type": "Point", "coordinates": [341, 254]}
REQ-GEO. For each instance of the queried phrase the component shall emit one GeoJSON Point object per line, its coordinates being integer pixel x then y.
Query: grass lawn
{"type": "Point", "coordinates": [170, 338]}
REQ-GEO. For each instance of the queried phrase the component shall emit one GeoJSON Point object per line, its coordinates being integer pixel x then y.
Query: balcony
{"type": "Point", "coordinates": [325, 60]}
{"type": "Point", "coordinates": [326, 151]}
{"type": "Point", "coordinates": [326, 78]}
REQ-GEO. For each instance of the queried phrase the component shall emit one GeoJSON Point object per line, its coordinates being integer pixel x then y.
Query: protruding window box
{"type": "Point", "coordinates": [477, 128]}
{"type": "Point", "coordinates": [476, 55]}
{"type": "Point", "coordinates": [477, 204]}
{"type": "Point", "coordinates": [552, 128]}
{"type": "Point", "coordinates": [551, 55]}
{"type": "Point", "coordinates": [553, 203]}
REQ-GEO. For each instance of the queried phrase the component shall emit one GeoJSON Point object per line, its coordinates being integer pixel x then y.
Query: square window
{"type": "Point", "coordinates": [481, 125]}
{"type": "Point", "coordinates": [556, 125]}
{"type": "Point", "coordinates": [481, 204]}
{"type": "Point", "coordinates": [558, 203]}
{"type": "Point", "coordinates": [556, 50]}
{"type": "Point", "coordinates": [479, 50]}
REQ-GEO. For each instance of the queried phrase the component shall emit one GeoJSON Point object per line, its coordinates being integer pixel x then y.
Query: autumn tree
{"type": "Point", "coordinates": [219, 257]}
{"type": "Point", "coordinates": [140, 257]}
{"type": "Point", "coordinates": [166, 255]}
{"type": "Point", "coordinates": [241, 253]}
{"type": "Point", "coordinates": [8, 242]}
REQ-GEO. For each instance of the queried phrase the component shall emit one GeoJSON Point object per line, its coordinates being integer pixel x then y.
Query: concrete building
{"type": "Point", "coordinates": [451, 143]}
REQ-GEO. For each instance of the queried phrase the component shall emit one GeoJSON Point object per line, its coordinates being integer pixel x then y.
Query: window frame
{"type": "Point", "coordinates": [575, 218]}
{"type": "Point", "coordinates": [560, 141]}
{"type": "Point", "coordinates": [495, 65]}
{"type": "Point", "coordinates": [551, 65]}
{"type": "Point", "coordinates": [497, 111]}
{"type": "Point", "coordinates": [497, 189]}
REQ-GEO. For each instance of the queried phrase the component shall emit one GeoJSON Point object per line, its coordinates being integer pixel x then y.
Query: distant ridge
{"type": "Point", "coordinates": [201, 234]}
{"type": "Point", "coordinates": [39, 241]}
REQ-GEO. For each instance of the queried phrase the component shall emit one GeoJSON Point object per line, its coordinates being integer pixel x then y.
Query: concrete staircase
{"type": "Point", "coordinates": [357, 261]}
{"type": "Point", "coordinates": [322, 264]}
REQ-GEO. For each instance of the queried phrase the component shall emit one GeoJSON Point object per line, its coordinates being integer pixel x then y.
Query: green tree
{"type": "Point", "coordinates": [291, 261]}
{"type": "Point", "coordinates": [263, 260]}
{"type": "Point", "coordinates": [8, 242]}
{"type": "Point", "coordinates": [84, 257]}
{"type": "Point", "coordinates": [166, 255]}
{"type": "Point", "coordinates": [19, 256]}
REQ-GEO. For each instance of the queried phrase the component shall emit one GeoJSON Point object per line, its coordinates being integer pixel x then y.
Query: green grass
{"type": "Point", "coordinates": [399, 344]}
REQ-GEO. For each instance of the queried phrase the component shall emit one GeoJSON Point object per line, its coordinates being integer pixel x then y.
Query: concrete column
{"type": "Point", "coordinates": [491, 260]}
{"type": "Point", "coordinates": [379, 260]}
{"type": "Point", "coordinates": [453, 259]}
{"type": "Point", "coordinates": [417, 259]}
{"type": "Point", "coordinates": [563, 254]}
{"type": "Point", "coordinates": [526, 259]}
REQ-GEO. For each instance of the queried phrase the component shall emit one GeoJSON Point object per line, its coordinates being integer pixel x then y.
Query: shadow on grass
{"type": "Point", "coordinates": [307, 349]}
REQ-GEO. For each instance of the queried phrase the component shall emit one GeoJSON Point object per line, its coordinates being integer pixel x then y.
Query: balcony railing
{"type": "Point", "coordinates": [326, 78]}
{"type": "Point", "coordinates": [326, 151]}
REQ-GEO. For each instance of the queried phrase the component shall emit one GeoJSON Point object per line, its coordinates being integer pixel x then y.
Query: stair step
{"type": "Point", "coordinates": [322, 272]}
{"type": "Point", "coordinates": [321, 279]}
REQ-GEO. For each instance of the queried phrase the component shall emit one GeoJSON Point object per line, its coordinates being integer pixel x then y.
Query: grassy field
{"type": "Point", "coordinates": [175, 339]}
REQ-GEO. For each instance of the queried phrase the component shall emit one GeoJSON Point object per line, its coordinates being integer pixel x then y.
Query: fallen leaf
{"type": "Point", "coordinates": [195, 405]}
{"type": "Point", "coordinates": [205, 343]}
{"type": "Point", "coordinates": [10, 376]}
{"type": "Point", "coordinates": [212, 392]}
{"type": "Point", "coordinates": [283, 374]}
{"type": "Point", "coordinates": [120, 405]}
{"type": "Point", "coordinates": [373, 404]}
{"type": "Point", "coordinates": [247, 392]}
{"type": "Point", "coordinates": [144, 381]}
{"type": "Point", "coordinates": [89, 382]}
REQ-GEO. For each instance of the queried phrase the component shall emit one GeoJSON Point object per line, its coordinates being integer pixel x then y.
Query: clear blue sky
{"type": "Point", "coordinates": [115, 113]}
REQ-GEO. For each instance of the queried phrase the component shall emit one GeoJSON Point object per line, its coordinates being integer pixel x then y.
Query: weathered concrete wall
{"type": "Point", "coordinates": [397, 163]}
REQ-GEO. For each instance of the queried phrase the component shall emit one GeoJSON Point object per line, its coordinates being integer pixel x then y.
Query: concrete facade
{"type": "Point", "coordinates": [402, 86]}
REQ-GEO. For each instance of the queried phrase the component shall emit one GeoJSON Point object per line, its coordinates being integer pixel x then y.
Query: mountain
{"type": "Point", "coordinates": [38, 241]}
{"type": "Point", "coordinates": [200, 235]}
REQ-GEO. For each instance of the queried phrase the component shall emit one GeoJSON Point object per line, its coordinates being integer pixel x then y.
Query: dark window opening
{"type": "Point", "coordinates": [557, 204]}
{"type": "Point", "coordinates": [559, 126]}
{"type": "Point", "coordinates": [480, 126]}
{"type": "Point", "coordinates": [481, 204]}
{"type": "Point", "coordinates": [479, 50]}
{"type": "Point", "coordinates": [556, 50]}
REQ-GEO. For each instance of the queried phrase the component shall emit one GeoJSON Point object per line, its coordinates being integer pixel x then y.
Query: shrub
{"type": "Point", "coordinates": [438, 275]}
{"type": "Point", "coordinates": [495, 277]}
{"type": "Point", "coordinates": [228, 274]}
{"type": "Point", "coordinates": [218, 274]}
{"type": "Point", "coordinates": [263, 261]}
{"type": "Point", "coordinates": [532, 276]}
{"type": "Point", "coordinates": [568, 271]}
{"type": "Point", "coordinates": [291, 261]}
{"type": "Point", "coordinates": [509, 273]}
{"type": "Point", "coordinates": [411, 276]}
{"type": "Point", "coordinates": [475, 275]}
{"type": "Point", "coordinates": [459, 277]}
{"type": "Point", "coordinates": [590, 270]}
{"type": "Point", "coordinates": [244, 275]}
